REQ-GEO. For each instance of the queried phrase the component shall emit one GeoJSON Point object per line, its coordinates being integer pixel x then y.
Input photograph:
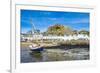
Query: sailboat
{"type": "Point", "coordinates": [35, 47]}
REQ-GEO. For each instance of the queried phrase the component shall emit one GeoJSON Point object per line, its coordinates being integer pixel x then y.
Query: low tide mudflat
{"type": "Point", "coordinates": [55, 53]}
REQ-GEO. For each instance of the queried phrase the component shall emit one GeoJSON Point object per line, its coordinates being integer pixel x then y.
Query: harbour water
{"type": "Point", "coordinates": [54, 54]}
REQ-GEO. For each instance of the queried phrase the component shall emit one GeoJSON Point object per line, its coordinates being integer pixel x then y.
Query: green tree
{"type": "Point", "coordinates": [59, 30]}
{"type": "Point", "coordinates": [84, 32]}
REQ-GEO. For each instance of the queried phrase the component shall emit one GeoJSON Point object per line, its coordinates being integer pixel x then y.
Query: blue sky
{"type": "Point", "coordinates": [43, 19]}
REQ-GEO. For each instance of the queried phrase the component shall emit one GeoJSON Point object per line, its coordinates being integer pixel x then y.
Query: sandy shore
{"type": "Point", "coordinates": [26, 44]}
{"type": "Point", "coordinates": [55, 45]}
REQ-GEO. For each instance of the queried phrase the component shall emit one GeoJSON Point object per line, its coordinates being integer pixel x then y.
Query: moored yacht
{"type": "Point", "coordinates": [35, 47]}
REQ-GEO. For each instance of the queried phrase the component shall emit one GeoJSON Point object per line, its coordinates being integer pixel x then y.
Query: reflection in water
{"type": "Point", "coordinates": [36, 55]}
{"type": "Point", "coordinates": [54, 55]}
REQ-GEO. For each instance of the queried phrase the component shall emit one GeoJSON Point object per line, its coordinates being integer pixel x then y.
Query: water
{"type": "Point", "coordinates": [54, 55]}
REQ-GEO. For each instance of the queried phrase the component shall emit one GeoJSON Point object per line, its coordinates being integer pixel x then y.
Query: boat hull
{"type": "Point", "coordinates": [37, 49]}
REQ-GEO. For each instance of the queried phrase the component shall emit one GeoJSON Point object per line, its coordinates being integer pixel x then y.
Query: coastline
{"type": "Point", "coordinates": [67, 44]}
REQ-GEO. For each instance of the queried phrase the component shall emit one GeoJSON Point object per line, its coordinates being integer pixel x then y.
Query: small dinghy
{"type": "Point", "coordinates": [36, 48]}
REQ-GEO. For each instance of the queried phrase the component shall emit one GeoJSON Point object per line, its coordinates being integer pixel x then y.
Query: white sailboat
{"type": "Point", "coordinates": [35, 47]}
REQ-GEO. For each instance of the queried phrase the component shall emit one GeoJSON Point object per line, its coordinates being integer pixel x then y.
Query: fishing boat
{"type": "Point", "coordinates": [36, 48]}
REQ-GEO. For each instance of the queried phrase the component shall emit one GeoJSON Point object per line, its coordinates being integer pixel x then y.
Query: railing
{"type": "Point", "coordinates": [70, 37]}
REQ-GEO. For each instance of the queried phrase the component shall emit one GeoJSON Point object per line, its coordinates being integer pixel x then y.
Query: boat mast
{"type": "Point", "coordinates": [33, 28]}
